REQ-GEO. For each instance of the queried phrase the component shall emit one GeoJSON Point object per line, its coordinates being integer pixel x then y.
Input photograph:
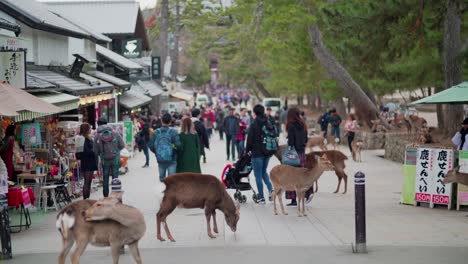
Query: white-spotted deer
{"type": "Point", "coordinates": [356, 146]}
{"type": "Point", "coordinates": [193, 190]}
{"type": "Point", "coordinates": [316, 141]}
{"type": "Point", "coordinates": [288, 178]}
{"type": "Point", "coordinates": [103, 223]}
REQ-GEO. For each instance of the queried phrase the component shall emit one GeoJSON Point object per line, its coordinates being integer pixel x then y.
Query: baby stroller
{"type": "Point", "coordinates": [233, 174]}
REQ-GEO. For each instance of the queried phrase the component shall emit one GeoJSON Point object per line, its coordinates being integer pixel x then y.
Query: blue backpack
{"type": "Point", "coordinates": [163, 146]}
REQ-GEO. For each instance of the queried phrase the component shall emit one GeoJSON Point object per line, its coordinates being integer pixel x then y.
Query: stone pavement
{"type": "Point", "coordinates": [423, 235]}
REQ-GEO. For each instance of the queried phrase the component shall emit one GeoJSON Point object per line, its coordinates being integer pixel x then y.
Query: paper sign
{"type": "Point", "coordinates": [128, 128]}
{"type": "Point", "coordinates": [443, 162]}
{"type": "Point", "coordinates": [31, 134]}
{"type": "Point", "coordinates": [424, 166]}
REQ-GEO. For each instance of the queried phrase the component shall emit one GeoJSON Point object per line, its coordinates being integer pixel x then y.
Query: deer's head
{"type": "Point", "coordinates": [325, 162]}
{"type": "Point", "coordinates": [451, 175]}
{"type": "Point", "coordinates": [232, 219]}
{"type": "Point", "coordinates": [103, 208]}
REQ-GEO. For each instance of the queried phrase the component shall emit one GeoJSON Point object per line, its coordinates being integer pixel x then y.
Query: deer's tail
{"type": "Point", "coordinates": [159, 191]}
{"type": "Point", "coordinates": [65, 221]}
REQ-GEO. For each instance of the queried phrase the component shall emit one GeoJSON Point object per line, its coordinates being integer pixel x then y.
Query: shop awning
{"type": "Point", "coordinates": [117, 59]}
{"type": "Point", "coordinates": [65, 101]}
{"type": "Point", "coordinates": [34, 83]}
{"type": "Point", "coordinates": [111, 79]}
{"type": "Point", "coordinates": [151, 88]}
{"type": "Point", "coordinates": [86, 85]}
{"type": "Point", "coordinates": [182, 95]}
{"type": "Point", "coordinates": [457, 94]}
{"type": "Point", "coordinates": [134, 98]}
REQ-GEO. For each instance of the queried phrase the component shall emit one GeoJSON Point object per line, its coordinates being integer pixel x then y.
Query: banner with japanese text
{"type": "Point", "coordinates": [443, 162]}
{"type": "Point", "coordinates": [424, 167]}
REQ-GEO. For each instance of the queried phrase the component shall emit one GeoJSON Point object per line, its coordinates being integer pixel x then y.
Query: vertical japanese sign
{"type": "Point", "coordinates": [128, 127]}
{"type": "Point", "coordinates": [13, 68]}
{"type": "Point", "coordinates": [31, 134]}
{"type": "Point", "coordinates": [443, 162]}
{"type": "Point", "coordinates": [156, 67]}
{"type": "Point", "coordinates": [424, 166]}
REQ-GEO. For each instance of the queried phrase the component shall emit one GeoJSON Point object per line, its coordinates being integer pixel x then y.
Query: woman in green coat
{"type": "Point", "coordinates": [188, 156]}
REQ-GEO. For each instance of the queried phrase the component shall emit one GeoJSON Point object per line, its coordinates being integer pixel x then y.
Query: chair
{"type": "Point", "coordinates": [44, 196]}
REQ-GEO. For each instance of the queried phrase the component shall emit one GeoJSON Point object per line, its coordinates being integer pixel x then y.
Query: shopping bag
{"type": "Point", "coordinates": [291, 158]}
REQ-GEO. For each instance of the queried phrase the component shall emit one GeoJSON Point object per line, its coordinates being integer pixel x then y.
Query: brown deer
{"type": "Point", "coordinates": [337, 158]}
{"type": "Point", "coordinates": [456, 176]}
{"type": "Point", "coordinates": [301, 181]}
{"type": "Point", "coordinates": [416, 123]}
{"type": "Point", "coordinates": [103, 223]}
{"type": "Point", "coordinates": [316, 141]}
{"type": "Point", "coordinates": [193, 190]}
{"type": "Point", "coordinates": [356, 146]}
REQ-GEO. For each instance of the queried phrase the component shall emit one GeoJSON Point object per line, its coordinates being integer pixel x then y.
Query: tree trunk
{"type": "Point", "coordinates": [311, 99]}
{"type": "Point", "coordinates": [340, 107]}
{"type": "Point", "coordinates": [175, 57]}
{"type": "Point", "coordinates": [453, 114]}
{"type": "Point", "coordinates": [319, 101]}
{"type": "Point", "coordinates": [262, 88]}
{"type": "Point", "coordinates": [163, 34]}
{"type": "Point", "coordinates": [365, 109]}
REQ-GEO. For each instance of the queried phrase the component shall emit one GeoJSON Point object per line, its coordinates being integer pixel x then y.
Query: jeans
{"type": "Point", "coordinates": [260, 165]}
{"type": "Point", "coordinates": [169, 167]}
{"type": "Point", "coordinates": [240, 147]}
{"type": "Point", "coordinates": [145, 150]}
{"type": "Point", "coordinates": [335, 132]}
{"type": "Point", "coordinates": [324, 130]}
{"type": "Point", "coordinates": [110, 168]}
{"type": "Point", "coordinates": [209, 131]}
{"type": "Point", "coordinates": [221, 132]}
{"type": "Point", "coordinates": [350, 140]}
{"type": "Point", "coordinates": [231, 144]}
{"type": "Point", "coordinates": [88, 178]}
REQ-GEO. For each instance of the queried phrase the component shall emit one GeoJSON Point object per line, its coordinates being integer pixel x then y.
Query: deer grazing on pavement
{"type": "Point", "coordinates": [103, 223]}
{"type": "Point", "coordinates": [193, 190]}
{"type": "Point", "coordinates": [336, 157]}
{"type": "Point", "coordinates": [356, 146]}
{"type": "Point", "coordinates": [288, 178]}
{"type": "Point", "coordinates": [456, 176]}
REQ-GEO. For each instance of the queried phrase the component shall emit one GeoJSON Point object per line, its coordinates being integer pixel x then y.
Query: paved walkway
{"type": "Point", "coordinates": [327, 231]}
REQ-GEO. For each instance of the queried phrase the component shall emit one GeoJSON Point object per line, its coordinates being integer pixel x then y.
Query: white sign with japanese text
{"type": "Point", "coordinates": [13, 68]}
{"type": "Point", "coordinates": [424, 166]}
{"type": "Point", "coordinates": [443, 162]}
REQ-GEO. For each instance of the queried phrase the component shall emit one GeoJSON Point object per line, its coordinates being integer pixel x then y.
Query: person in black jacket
{"type": "Point", "coordinates": [259, 158]}
{"type": "Point", "coordinates": [88, 159]}
{"type": "Point", "coordinates": [202, 133]}
{"type": "Point", "coordinates": [145, 134]}
{"type": "Point", "coordinates": [297, 139]}
{"type": "Point", "coordinates": [231, 128]}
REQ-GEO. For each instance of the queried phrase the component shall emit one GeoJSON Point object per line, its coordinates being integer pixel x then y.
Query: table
{"type": "Point", "coordinates": [16, 199]}
{"type": "Point", "coordinates": [39, 178]}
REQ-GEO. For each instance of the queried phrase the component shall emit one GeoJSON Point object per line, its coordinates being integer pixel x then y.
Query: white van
{"type": "Point", "coordinates": [202, 99]}
{"type": "Point", "coordinates": [273, 103]}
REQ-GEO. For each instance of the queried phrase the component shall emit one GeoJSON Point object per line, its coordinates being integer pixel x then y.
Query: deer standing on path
{"type": "Point", "coordinates": [193, 190]}
{"type": "Point", "coordinates": [356, 146]}
{"type": "Point", "coordinates": [288, 178]}
{"type": "Point", "coordinates": [102, 223]}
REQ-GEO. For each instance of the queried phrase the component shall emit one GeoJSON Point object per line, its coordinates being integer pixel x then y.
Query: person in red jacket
{"type": "Point", "coordinates": [240, 137]}
{"type": "Point", "coordinates": [209, 120]}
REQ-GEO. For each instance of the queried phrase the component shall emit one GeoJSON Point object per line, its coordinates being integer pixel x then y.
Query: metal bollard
{"type": "Point", "coordinates": [360, 212]}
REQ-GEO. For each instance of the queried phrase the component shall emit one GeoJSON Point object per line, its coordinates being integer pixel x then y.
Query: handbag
{"type": "Point", "coordinates": [290, 157]}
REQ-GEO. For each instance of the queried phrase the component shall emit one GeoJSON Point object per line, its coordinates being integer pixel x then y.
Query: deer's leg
{"type": "Point", "coordinates": [303, 203]}
{"type": "Point", "coordinates": [208, 213]}
{"type": "Point", "coordinates": [345, 179]}
{"type": "Point", "coordinates": [299, 195]}
{"type": "Point", "coordinates": [161, 217]}
{"type": "Point", "coordinates": [135, 252]}
{"type": "Point", "coordinates": [67, 244]}
{"type": "Point", "coordinates": [215, 224]}
{"type": "Point", "coordinates": [339, 175]}
{"type": "Point", "coordinates": [115, 248]}
{"type": "Point", "coordinates": [280, 199]}
{"type": "Point", "coordinates": [276, 190]}
{"type": "Point", "coordinates": [316, 186]}
{"type": "Point", "coordinates": [80, 248]}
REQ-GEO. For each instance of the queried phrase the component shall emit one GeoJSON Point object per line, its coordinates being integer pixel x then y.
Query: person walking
{"type": "Point", "coordinates": [350, 128]}
{"type": "Point", "coordinates": [202, 133]}
{"type": "Point", "coordinates": [335, 122]}
{"type": "Point", "coordinates": [283, 117]}
{"type": "Point", "coordinates": [323, 122]}
{"type": "Point", "coordinates": [240, 137]}
{"type": "Point", "coordinates": [108, 145]}
{"type": "Point", "coordinates": [88, 159]}
{"type": "Point", "coordinates": [260, 159]}
{"type": "Point", "coordinates": [164, 144]}
{"type": "Point", "coordinates": [156, 122]}
{"type": "Point", "coordinates": [231, 127]}
{"type": "Point", "coordinates": [219, 122]}
{"type": "Point", "coordinates": [297, 139]}
{"type": "Point", "coordinates": [245, 117]}
{"type": "Point", "coordinates": [209, 120]}
{"type": "Point", "coordinates": [460, 139]}
{"type": "Point", "coordinates": [144, 139]}
{"type": "Point", "coordinates": [188, 155]}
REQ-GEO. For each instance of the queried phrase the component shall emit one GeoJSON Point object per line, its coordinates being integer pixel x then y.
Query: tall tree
{"type": "Point", "coordinates": [163, 34]}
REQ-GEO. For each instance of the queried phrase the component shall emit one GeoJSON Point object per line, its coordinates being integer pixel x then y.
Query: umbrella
{"type": "Point", "coordinates": [457, 94]}
{"type": "Point", "coordinates": [13, 100]}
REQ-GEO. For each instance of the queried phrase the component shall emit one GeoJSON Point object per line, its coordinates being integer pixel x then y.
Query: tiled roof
{"type": "Point", "coordinates": [33, 82]}
{"type": "Point", "coordinates": [109, 78]}
{"type": "Point", "coordinates": [117, 59]}
{"type": "Point", "coordinates": [151, 88]}
{"type": "Point", "coordinates": [134, 98]}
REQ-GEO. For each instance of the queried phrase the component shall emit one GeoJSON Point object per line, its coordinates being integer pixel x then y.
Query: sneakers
{"type": "Point", "coordinates": [145, 166]}
{"type": "Point", "coordinates": [309, 198]}
{"type": "Point", "coordinates": [261, 201]}
{"type": "Point", "coordinates": [292, 203]}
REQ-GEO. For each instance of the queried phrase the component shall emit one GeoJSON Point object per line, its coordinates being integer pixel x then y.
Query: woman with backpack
{"type": "Point", "coordinates": [188, 155]}
{"type": "Point", "coordinates": [297, 139]}
{"type": "Point", "coordinates": [87, 159]}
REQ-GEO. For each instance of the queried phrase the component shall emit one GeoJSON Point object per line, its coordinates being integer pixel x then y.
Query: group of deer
{"type": "Point", "coordinates": [110, 223]}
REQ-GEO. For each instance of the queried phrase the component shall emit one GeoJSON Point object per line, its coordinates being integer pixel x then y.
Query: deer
{"type": "Point", "coordinates": [415, 122]}
{"type": "Point", "coordinates": [102, 223]}
{"type": "Point", "coordinates": [356, 146]}
{"type": "Point", "coordinates": [456, 176]}
{"type": "Point", "coordinates": [336, 157]}
{"type": "Point", "coordinates": [194, 190]}
{"type": "Point", "coordinates": [316, 141]}
{"type": "Point", "coordinates": [302, 179]}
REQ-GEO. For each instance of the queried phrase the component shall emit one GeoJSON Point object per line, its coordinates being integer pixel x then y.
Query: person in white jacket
{"type": "Point", "coordinates": [461, 137]}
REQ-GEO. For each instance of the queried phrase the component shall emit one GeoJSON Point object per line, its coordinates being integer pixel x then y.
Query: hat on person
{"type": "Point", "coordinates": [116, 185]}
{"type": "Point", "coordinates": [465, 122]}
